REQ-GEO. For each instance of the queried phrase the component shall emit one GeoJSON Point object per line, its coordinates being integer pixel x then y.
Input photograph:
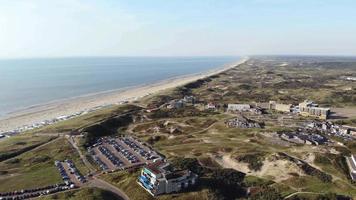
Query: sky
{"type": "Point", "coordinates": [67, 28]}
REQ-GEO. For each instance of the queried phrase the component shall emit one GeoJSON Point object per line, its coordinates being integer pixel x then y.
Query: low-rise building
{"type": "Point", "coordinates": [273, 105]}
{"type": "Point", "coordinates": [238, 107]}
{"type": "Point", "coordinates": [243, 122]}
{"type": "Point", "coordinates": [309, 108]}
{"type": "Point", "coordinates": [159, 178]}
{"type": "Point", "coordinates": [189, 99]}
{"type": "Point", "coordinates": [303, 137]}
{"type": "Point", "coordinates": [176, 104]}
{"type": "Point", "coordinates": [211, 106]}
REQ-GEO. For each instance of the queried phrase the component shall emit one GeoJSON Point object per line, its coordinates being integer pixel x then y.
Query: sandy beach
{"type": "Point", "coordinates": [39, 113]}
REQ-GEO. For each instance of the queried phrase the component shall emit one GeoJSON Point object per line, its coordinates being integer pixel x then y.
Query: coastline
{"type": "Point", "coordinates": [86, 103]}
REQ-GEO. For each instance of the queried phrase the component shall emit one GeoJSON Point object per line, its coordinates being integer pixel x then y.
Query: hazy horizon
{"type": "Point", "coordinates": [79, 28]}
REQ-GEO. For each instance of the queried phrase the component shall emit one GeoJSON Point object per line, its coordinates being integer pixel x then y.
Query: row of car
{"type": "Point", "coordinates": [36, 192]}
{"type": "Point", "coordinates": [109, 155]}
{"type": "Point", "coordinates": [62, 172]}
{"type": "Point", "coordinates": [125, 152]}
{"type": "Point", "coordinates": [140, 150]}
{"type": "Point", "coordinates": [102, 165]}
{"type": "Point", "coordinates": [73, 170]}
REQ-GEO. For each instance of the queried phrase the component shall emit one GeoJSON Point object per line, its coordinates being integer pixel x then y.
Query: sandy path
{"type": "Point", "coordinates": [67, 107]}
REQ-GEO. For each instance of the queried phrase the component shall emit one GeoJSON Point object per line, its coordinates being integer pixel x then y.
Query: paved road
{"type": "Point", "coordinates": [98, 183]}
{"type": "Point", "coordinates": [71, 140]}
{"type": "Point", "coordinates": [295, 193]}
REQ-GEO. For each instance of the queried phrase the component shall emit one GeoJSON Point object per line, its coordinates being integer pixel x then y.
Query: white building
{"type": "Point", "coordinates": [158, 178]}
{"type": "Point", "coordinates": [238, 107]}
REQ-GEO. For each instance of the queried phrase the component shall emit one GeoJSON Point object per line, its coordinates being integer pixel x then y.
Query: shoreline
{"type": "Point", "coordinates": [74, 106]}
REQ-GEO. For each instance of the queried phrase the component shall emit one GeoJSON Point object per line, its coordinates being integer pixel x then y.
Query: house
{"type": "Point", "coordinates": [351, 162]}
{"type": "Point", "coordinates": [273, 105]}
{"type": "Point", "coordinates": [309, 108]}
{"type": "Point", "coordinates": [189, 99]}
{"type": "Point", "coordinates": [175, 104]}
{"type": "Point", "coordinates": [242, 122]}
{"type": "Point", "coordinates": [159, 178]}
{"type": "Point", "coordinates": [211, 106]}
{"type": "Point", "coordinates": [238, 107]}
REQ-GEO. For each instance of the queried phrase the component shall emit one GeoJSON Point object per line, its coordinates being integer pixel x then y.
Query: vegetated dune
{"type": "Point", "coordinates": [273, 168]}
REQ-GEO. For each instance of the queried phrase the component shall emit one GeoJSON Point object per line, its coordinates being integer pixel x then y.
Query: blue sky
{"type": "Point", "coordinates": [60, 28]}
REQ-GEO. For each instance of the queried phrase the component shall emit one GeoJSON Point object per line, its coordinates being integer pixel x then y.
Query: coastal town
{"type": "Point", "coordinates": [224, 130]}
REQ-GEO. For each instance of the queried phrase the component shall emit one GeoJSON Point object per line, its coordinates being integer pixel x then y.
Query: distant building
{"type": "Point", "coordinates": [309, 108]}
{"type": "Point", "coordinates": [176, 104]}
{"type": "Point", "coordinates": [350, 78]}
{"type": "Point", "coordinates": [158, 178]}
{"type": "Point", "coordinates": [211, 106]}
{"type": "Point", "coordinates": [304, 138]}
{"type": "Point", "coordinates": [189, 99]}
{"type": "Point", "coordinates": [351, 162]}
{"type": "Point", "coordinates": [280, 107]}
{"type": "Point", "coordinates": [238, 107]}
{"type": "Point", "coordinates": [242, 122]}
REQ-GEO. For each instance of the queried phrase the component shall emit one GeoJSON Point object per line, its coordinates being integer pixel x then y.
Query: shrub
{"type": "Point", "coordinates": [254, 160]}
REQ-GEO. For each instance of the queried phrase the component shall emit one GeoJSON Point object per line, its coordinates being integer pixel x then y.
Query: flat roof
{"type": "Point", "coordinates": [155, 167]}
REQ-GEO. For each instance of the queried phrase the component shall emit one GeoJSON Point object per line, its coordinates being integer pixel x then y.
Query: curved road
{"type": "Point", "coordinates": [98, 183]}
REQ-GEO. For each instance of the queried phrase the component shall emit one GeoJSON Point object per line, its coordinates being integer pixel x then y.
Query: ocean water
{"type": "Point", "coordinates": [28, 82]}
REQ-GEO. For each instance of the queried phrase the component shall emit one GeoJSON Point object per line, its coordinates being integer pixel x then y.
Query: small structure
{"type": "Point", "coordinates": [176, 104]}
{"type": "Point", "coordinates": [159, 178]}
{"type": "Point", "coordinates": [273, 105]}
{"type": "Point", "coordinates": [309, 108]}
{"type": "Point", "coordinates": [189, 99]}
{"type": "Point", "coordinates": [242, 122]}
{"type": "Point", "coordinates": [351, 162]}
{"type": "Point", "coordinates": [303, 137]}
{"type": "Point", "coordinates": [238, 107]}
{"type": "Point", "coordinates": [211, 106]}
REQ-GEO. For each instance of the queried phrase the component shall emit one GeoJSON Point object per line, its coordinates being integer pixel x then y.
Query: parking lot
{"type": "Point", "coordinates": [113, 153]}
{"type": "Point", "coordinates": [70, 174]}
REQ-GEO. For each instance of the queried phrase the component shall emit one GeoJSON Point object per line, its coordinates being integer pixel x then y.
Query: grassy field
{"type": "Point", "coordinates": [36, 168]}
{"type": "Point", "coordinates": [85, 120]}
{"type": "Point", "coordinates": [83, 194]}
{"type": "Point", "coordinates": [16, 145]}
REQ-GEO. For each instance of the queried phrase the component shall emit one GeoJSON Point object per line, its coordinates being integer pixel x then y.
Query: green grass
{"type": "Point", "coordinates": [312, 184]}
{"type": "Point", "coordinates": [84, 120]}
{"type": "Point", "coordinates": [36, 168]}
{"type": "Point", "coordinates": [83, 194]}
{"type": "Point", "coordinates": [19, 144]}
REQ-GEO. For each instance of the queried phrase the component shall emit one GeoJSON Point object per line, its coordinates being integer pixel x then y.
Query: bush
{"type": "Point", "coordinates": [227, 183]}
{"type": "Point", "coordinates": [254, 160]}
{"type": "Point", "coordinates": [322, 159]}
{"type": "Point", "coordinates": [267, 193]}
{"type": "Point", "coordinates": [107, 127]}
{"type": "Point", "coordinates": [327, 178]}
{"type": "Point", "coordinates": [188, 163]}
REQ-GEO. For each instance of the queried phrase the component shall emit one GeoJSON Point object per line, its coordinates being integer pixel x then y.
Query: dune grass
{"type": "Point", "coordinates": [36, 168]}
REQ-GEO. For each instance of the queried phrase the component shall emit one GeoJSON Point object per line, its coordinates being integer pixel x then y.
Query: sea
{"type": "Point", "coordinates": [30, 82]}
